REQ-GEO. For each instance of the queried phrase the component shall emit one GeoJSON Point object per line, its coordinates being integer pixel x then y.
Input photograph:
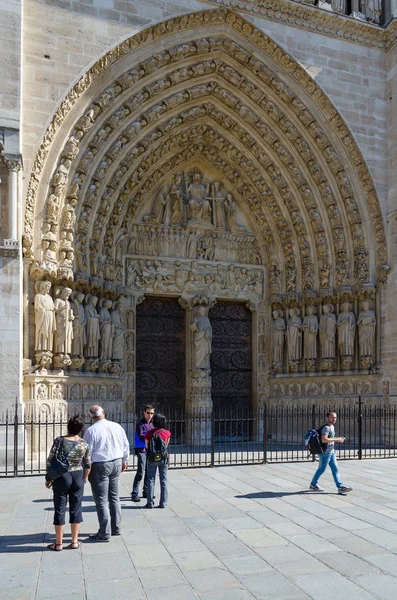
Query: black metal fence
{"type": "Point", "coordinates": [223, 437]}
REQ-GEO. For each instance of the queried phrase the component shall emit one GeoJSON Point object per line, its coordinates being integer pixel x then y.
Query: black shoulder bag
{"type": "Point", "coordinates": [59, 463]}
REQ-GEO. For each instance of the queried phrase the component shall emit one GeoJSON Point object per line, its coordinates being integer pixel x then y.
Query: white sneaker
{"type": "Point", "coordinates": [316, 488]}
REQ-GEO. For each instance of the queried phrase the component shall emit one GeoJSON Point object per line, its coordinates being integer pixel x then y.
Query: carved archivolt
{"type": "Point", "coordinates": [253, 115]}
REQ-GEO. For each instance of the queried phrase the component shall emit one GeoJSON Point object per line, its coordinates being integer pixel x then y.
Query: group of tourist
{"type": "Point", "coordinates": [100, 457]}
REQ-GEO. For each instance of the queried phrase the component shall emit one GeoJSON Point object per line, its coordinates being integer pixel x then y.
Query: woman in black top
{"type": "Point", "coordinates": [70, 484]}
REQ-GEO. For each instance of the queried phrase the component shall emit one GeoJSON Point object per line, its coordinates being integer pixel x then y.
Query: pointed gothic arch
{"type": "Point", "coordinates": [211, 90]}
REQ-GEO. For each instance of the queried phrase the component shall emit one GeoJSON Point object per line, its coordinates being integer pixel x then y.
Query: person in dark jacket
{"type": "Point", "coordinates": [142, 427]}
{"type": "Point", "coordinates": [70, 485]}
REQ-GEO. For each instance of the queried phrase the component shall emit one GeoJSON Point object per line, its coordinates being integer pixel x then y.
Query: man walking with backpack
{"type": "Point", "coordinates": [142, 427]}
{"type": "Point", "coordinates": [157, 441]}
{"type": "Point", "coordinates": [328, 457]}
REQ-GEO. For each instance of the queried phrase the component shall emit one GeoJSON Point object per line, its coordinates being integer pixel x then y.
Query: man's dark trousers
{"type": "Point", "coordinates": [141, 473]}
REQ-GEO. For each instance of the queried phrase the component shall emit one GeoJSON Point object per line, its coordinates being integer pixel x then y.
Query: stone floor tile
{"type": "Point", "coordinates": [116, 589]}
{"type": "Point", "coordinates": [176, 592]}
{"type": "Point", "coordinates": [268, 586]}
{"type": "Point", "coordinates": [300, 567]}
{"type": "Point", "coordinates": [257, 538]}
{"type": "Point", "coordinates": [279, 554]}
{"type": "Point", "coordinates": [341, 587]}
{"type": "Point", "coordinates": [144, 555]}
{"type": "Point", "coordinates": [18, 593]}
{"type": "Point", "coordinates": [221, 549]}
{"type": "Point", "coordinates": [382, 538]}
{"type": "Point", "coordinates": [357, 546]}
{"type": "Point", "coordinates": [20, 577]}
{"type": "Point", "coordinates": [194, 561]}
{"type": "Point", "coordinates": [211, 579]}
{"type": "Point", "coordinates": [161, 577]}
{"type": "Point", "coordinates": [234, 593]}
{"type": "Point", "coordinates": [100, 568]}
{"type": "Point", "coordinates": [386, 562]}
{"type": "Point", "coordinates": [182, 543]}
{"type": "Point", "coordinates": [382, 586]}
{"type": "Point", "coordinates": [313, 544]}
{"type": "Point", "coordinates": [347, 564]}
{"type": "Point", "coordinates": [245, 565]}
{"type": "Point", "coordinates": [238, 523]}
{"type": "Point", "coordinates": [48, 586]}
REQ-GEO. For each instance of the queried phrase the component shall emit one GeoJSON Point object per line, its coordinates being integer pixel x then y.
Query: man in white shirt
{"type": "Point", "coordinates": [110, 449]}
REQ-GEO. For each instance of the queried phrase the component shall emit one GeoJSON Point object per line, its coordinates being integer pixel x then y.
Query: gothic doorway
{"type": "Point", "coordinates": [160, 352]}
{"type": "Point", "coordinates": [231, 360]}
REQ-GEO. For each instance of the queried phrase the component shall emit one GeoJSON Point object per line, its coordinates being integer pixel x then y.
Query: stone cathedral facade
{"type": "Point", "coordinates": [198, 203]}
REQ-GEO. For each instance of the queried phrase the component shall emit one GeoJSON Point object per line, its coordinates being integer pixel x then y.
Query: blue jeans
{"type": "Point", "coordinates": [325, 459]}
{"type": "Point", "coordinates": [152, 467]}
{"type": "Point", "coordinates": [104, 480]}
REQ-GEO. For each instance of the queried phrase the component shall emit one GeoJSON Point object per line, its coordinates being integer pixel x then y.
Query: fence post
{"type": "Point", "coordinates": [16, 432]}
{"type": "Point", "coordinates": [360, 429]}
{"type": "Point", "coordinates": [264, 434]}
{"type": "Point", "coordinates": [212, 464]}
{"type": "Point", "coordinates": [314, 425]}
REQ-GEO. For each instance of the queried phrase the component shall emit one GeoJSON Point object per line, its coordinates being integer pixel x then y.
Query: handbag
{"type": "Point", "coordinates": [59, 463]}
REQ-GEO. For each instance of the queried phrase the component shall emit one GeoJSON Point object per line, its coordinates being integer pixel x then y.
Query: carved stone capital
{"type": "Point", "coordinates": [13, 162]}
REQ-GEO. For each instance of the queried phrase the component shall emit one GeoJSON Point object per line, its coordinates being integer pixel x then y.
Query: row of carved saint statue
{"type": "Point", "coordinates": [325, 332]}
{"type": "Point", "coordinates": [70, 334]}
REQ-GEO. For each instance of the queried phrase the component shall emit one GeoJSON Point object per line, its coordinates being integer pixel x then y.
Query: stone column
{"type": "Point", "coordinates": [130, 356]}
{"type": "Point", "coordinates": [13, 164]}
{"type": "Point", "coordinates": [198, 380]}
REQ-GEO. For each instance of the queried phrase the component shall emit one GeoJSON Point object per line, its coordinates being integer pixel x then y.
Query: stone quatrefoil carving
{"type": "Point", "coordinates": [263, 140]}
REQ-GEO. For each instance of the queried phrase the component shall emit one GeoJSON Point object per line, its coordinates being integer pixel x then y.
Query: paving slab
{"type": "Point", "coordinates": [235, 533]}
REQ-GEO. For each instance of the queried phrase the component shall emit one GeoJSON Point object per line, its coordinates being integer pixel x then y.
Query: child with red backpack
{"type": "Point", "coordinates": [157, 441]}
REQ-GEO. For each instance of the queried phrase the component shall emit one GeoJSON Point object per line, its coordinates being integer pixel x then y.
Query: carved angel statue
{"type": "Point", "coordinates": [202, 339]}
{"type": "Point", "coordinates": [44, 317]}
{"type": "Point", "coordinates": [366, 323]}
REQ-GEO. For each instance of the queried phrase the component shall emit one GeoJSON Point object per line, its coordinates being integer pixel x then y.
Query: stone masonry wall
{"type": "Point", "coordinates": [354, 78]}
{"type": "Point", "coordinates": [10, 334]}
{"type": "Point", "coordinates": [10, 61]}
{"type": "Point", "coordinates": [62, 39]}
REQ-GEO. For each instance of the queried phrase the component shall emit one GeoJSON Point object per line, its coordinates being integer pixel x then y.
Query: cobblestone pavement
{"type": "Point", "coordinates": [228, 533]}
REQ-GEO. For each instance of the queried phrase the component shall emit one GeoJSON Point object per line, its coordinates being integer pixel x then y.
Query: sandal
{"type": "Point", "coordinates": [55, 547]}
{"type": "Point", "coordinates": [73, 546]}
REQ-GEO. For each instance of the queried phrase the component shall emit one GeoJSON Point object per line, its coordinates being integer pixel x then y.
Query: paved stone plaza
{"type": "Point", "coordinates": [234, 532]}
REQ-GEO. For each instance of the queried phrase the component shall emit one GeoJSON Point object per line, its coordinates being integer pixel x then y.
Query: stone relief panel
{"type": "Point", "coordinates": [184, 277]}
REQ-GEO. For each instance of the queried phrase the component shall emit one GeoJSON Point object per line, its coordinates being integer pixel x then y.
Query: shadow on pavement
{"type": "Point", "coordinates": [279, 494]}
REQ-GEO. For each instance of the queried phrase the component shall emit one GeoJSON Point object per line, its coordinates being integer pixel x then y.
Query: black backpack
{"type": "Point", "coordinates": [313, 441]}
{"type": "Point", "coordinates": [157, 448]}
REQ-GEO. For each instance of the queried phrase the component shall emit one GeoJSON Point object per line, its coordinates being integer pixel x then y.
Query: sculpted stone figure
{"type": "Point", "coordinates": [310, 329]}
{"type": "Point", "coordinates": [176, 196]}
{"type": "Point", "coordinates": [106, 329]}
{"type": "Point", "coordinates": [198, 208]}
{"type": "Point", "coordinates": [346, 330]}
{"type": "Point", "coordinates": [219, 210]}
{"type": "Point", "coordinates": [366, 329]}
{"type": "Point", "coordinates": [231, 214]}
{"type": "Point", "coordinates": [64, 322]}
{"type": "Point", "coordinates": [79, 332]}
{"type": "Point", "coordinates": [44, 317]}
{"type": "Point", "coordinates": [202, 339]}
{"type": "Point", "coordinates": [93, 332]}
{"type": "Point", "coordinates": [294, 335]}
{"type": "Point", "coordinates": [327, 332]}
{"type": "Point", "coordinates": [278, 339]}
{"type": "Point", "coordinates": [160, 206]}
{"type": "Point", "coordinates": [118, 333]}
